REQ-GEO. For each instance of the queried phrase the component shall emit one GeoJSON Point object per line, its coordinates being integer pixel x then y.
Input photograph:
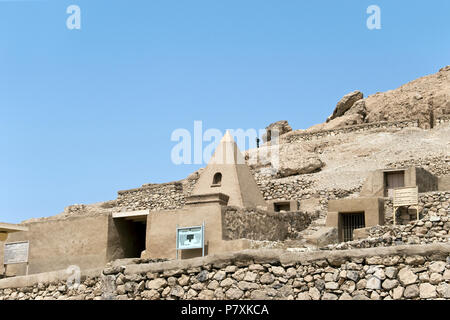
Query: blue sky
{"type": "Point", "coordinates": [85, 113]}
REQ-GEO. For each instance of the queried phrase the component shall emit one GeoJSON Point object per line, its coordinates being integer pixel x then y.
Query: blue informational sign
{"type": "Point", "coordinates": [191, 238]}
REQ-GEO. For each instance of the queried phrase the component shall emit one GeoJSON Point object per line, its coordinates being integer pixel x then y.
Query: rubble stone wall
{"type": "Point", "coordinates": [256, 224]}
{"type": "Point", "coordinates": [417, 272]}
{"type": "Point", "coordinates": [439, 166]}
{"type": "Point", "coordinates": [433, 226]}
{"type": "Point", "coordinates": [165, 196]}
{"type": "Point", "coordinates": [296, 136]}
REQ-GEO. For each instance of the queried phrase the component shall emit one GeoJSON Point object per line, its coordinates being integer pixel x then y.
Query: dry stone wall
{"type": "Point", "coordinates": [417, 272]}
{"type": "Point", "coordinates": [439, 166]}
{"type": "Point", "coordinates": [298, 136]}
{"type": "Point", "coordinates": [257, 224]}
{"type": "Point", "coordinates": [165, 196]}
{"type": "Point", "coordinates": [433, 226]}
{"type": "Point", "coordinates": [430, 203]}
{"type": "Point", "coordinates": [298, 188]}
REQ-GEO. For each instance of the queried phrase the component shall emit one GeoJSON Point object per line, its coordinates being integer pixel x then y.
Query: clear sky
{"type": "Point", "coordinates": [85, 113]}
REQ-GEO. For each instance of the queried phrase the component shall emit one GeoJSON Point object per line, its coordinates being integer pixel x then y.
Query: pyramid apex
{"type": "Point", "coordinates": [227, 137]}
{"type": "Point", "coordinates": [228, 173]}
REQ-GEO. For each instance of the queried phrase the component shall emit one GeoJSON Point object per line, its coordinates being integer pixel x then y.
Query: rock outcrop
{"type": "Point", "coordinates": [294, 159]}
{"type": "Point", "coordinates": [345, 104]}
{"type": "Point", "coordinates": [424, 99]}
{"type": "Point", "coordinates": [280, 127]}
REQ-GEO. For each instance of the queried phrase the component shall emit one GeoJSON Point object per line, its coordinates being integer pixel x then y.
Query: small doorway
{"type": "Point", "coordinates": [282, 206]}
{"type": "Point", "coordinates": [128, 234]}
{"type": "Point", "coordinates": [392, 180]}
{"type": "Point", "coordinates": [350, 222]}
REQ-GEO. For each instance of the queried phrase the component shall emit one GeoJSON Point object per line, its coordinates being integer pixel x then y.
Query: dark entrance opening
{"type": "Point", "coordinates": [392, 180]}
{"type": "Point", "coordinates": [282, 206]}
{"type": "Point", "coordinates": [350, 222]}
{"type": "Point", "coordinates": [131, 237]}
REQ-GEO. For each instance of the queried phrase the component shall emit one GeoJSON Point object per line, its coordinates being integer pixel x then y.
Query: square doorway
{"type": "Point", "coordinates": [350, 222]}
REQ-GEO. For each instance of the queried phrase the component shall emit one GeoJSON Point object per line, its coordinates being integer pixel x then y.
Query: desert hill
{"type": "Point", "coordinates": [423, 99]}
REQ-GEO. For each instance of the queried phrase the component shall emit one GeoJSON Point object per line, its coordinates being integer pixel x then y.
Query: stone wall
{"type": "Point", "coordinates": [404, 272]}
{"type": "Point", "coordinates": [298, 188]}
{"type": "Point", "coordinates": [430, 203]}
{"type": "Point", "coordinates": [257, 224]}
{"type": "Point", "coordinates": [439, 166]}
{"type": "Point", "coordinates": [164, 196]}
{"type": "Point", "coordinates": [433, 226]}
{"type": "Point", "coordinates": [299, 135]}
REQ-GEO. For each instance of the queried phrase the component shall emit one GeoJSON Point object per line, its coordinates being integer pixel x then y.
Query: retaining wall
{"type": "Point", "coordinates": [401, 272]}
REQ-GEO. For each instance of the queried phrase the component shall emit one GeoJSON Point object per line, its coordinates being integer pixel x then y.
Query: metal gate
{"type": "Point", "coordinates": [350, 222]}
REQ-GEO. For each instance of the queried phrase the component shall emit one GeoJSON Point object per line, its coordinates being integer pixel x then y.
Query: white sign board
{"type": "Point", "coordinates": [16, 252]}
{"type": "Point", "coordinates": [406, 196]}
{"type": "Point", "coordinates": [190, 238]}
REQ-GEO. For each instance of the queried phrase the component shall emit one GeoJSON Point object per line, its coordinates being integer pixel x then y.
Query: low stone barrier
{"type": "Point", "coordinates": [399, 272]}
{"type": "Point", "coordinates": [295, 136]}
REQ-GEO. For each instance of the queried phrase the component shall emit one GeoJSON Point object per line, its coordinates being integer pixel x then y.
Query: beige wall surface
{"type": "Point", "coordinates": [444, 183]}
{"type": "Point", "coordinates": [373, 209]}
{"type": "Point", "coordinates": [426, 181]}
{"type": "Point", "coordinates": [374, 184]}
{"type": "Point", "coordinates": [57, 244]}
{"type": "Point", "coordinates": [161, 231]}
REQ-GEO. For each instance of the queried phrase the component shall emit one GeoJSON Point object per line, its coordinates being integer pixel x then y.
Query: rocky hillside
{"type": "Point", "coordinates": [422, 99]}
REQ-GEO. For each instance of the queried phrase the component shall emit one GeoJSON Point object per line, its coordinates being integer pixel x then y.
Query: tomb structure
{"type": "Point", "coordinates": [226, 181]}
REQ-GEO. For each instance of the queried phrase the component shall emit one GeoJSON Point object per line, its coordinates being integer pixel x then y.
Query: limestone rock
{"type": "Point", "coordinates": [278, 271]}
{"type": "Point", "coordinates": [314, 293]}
{"type": "Point", "coordinates": [389, 284]}
{"type": "Point", "coordinates": [345, 296]}
{"type": "Point", "coordinates": [294, 160]}
{"type": "Point", "coordinates": [206, 295]}
{"type": "Point", "coordinates": [177, 291]}
{"type": "Point", "coordinates": [324, 236]}
{"type": "Point", "coordinates": [437, 266]}
{"type": "Point", "coordinates": [234, 293]}
{"type": "Point", "coordinates": [406, 276]}
{"type": "Point", "coordinates": [267, 278]}
{"type": "Point", "coordinates": [373, 283]}
{"type": "Point", "coordinates": [329, 296]}
{"type": "Point", "coordinates": [397, 293]}
{"type": "Point", "coordinates": [156, 284]}
{"type": "Point", "coordinates": [345, 104]}
{"type": "Point", "coordinates": [303, 296]}
{"type": "Point", "coordinates": [277, 128]}
{"type": "Point", "coordinates": [411, 291]}
{"type": "Point", "coordinates": [427, 291]}
{"type": "Point", "coordinates": [150, 294]}
{"type": "Point", "coordinates": [220, 275]}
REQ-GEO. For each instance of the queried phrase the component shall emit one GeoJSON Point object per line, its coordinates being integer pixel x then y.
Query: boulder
{"type": "Point", "coordinates": [359, 107]}
{"type": "Point", "coordinates": [343, 121]}
{"type": "Point", "coordinates": [294, 160]}
{"type": "Point", "coordinates": [276, 129]}
{"type": "Point", "coordinates": [345, 104]}
{"type": "Point", "coordinates": [323, 237]}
